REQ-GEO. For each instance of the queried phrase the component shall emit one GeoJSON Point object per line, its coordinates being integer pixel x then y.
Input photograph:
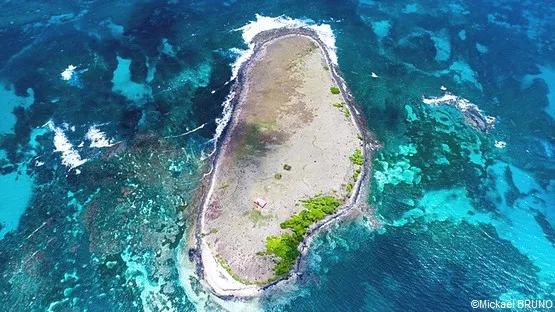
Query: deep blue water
{"type": "Point", "coordinates": [99, 162]}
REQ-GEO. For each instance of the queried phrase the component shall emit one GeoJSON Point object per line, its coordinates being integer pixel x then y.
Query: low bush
{"type": "Point", "coordinates": [357, 157]}
{"type": "Point", "coordinates": [284, 247]}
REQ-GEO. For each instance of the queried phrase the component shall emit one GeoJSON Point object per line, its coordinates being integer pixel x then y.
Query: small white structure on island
{"type": "Point", "coordinates": [260, 202]}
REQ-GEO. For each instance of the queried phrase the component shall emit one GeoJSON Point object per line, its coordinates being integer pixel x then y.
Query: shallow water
{"type": "Point", "coordinates": [463, 217]}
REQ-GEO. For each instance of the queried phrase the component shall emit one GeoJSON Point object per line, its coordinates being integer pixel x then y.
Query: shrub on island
{"type": "Point", "coordinates": [334, 90]}
{"type": "Point", "coordinates": [357, 157]}
{"type": "Point", "coordinates": [284, 247]}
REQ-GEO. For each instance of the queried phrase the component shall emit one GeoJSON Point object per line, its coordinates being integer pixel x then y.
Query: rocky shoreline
{"type": "Point", "coordinates": [370, 144]}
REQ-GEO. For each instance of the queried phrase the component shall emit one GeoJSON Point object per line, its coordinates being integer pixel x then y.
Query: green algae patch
{"type": "Point", "coordinates": [284, 247]}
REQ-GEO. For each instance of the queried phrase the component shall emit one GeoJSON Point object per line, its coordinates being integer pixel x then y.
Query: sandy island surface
{"type": "Point", "coordinates": [290, 139]}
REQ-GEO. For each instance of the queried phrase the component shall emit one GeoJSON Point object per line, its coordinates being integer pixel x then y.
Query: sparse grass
{"type": "Point", "coordinates": [256, 216]}
{"type": "Point", "coordinates": [343, 108]}
{"type": "Point", "coordinates": [334, 90]}
{"type": "Point", "coordinates": [252, 142]}
{"type": "Point", "coordinates": [284, 247]}
{"type": "Point", "coordinates": [349, 188]}
{"type": "Point", "coordinates": [212, 231]}
{"type": "Point", "coordinates": [235, 276]}
{"type": "Point", "coordinates": [357, 157]}
{"type": "Point", "coordinates": [357, 173]}
{"type": "Point", "coordinates": [223, 186]}
{"type": "Point", "coordinates": [326, 67]}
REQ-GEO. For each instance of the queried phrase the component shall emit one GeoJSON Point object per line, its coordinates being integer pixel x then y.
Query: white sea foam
{"type": "Point", "coordinates": [500, 144]}
{"type": "Point", "coordinates": [461, 104]}
{"type": "Point", "coordinates": [264, 23]}
{"type": "Point", "coordinates": [70, 157]}
{"type": "Point", "coordinates": [97, 138]}
{"type": "Point", "coordinates": [226, 116]}
{"type": "Point", "coordinates": [68, 72]}
{"type": "Point", "coordinates": [261, 24]}
{"type": "Point", "coordinates": [447, 97]}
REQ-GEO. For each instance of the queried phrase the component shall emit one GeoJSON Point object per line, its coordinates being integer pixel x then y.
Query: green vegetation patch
{"type": "Point", "coordinates": [343, 108]}
{"type": "Point", "coordinates": [357, 173]}
{"type": "Point", "coordinates": [339, 105]}
{"type": "Point", "coordinates": [256, 216]}
{"type": "Point", "coordinates": [357, 157]}
{"type": "Point", "coordinates": [284, 247]}
{"type": "Point", "coordinates": [212, 231]}
{"type": "Point", "coordinates": [334, 90]}
{"type": "Point", "coordinates": [277, 176]}
{"type": "Point", "coordinates": [349, 188]}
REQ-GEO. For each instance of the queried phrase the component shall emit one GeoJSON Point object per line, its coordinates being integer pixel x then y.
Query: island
{"type": "Point", "coordinates": [293, 159]}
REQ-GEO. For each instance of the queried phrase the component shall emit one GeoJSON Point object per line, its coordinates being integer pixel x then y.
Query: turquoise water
{"type": "Point", "coordinates": [108, 113]}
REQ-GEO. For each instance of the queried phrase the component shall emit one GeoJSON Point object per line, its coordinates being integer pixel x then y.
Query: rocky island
{"type": "Point", "coordinates": [292, 159]}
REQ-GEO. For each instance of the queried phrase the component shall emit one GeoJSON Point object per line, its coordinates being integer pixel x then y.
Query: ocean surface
{"type": "Point", "coordinates": [109, 112]}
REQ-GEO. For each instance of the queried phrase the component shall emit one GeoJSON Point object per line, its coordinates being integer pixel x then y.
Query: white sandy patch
{"type": "Point", "coordinates": [123, 84]}
{"type": "Point", "coordinates": [116, 29]}
{"type": "Point", "coordinates": [15, 191]}
{"type": "Point", "coordinates": [411, 8]}
{"type": "Point", "coordinates": [481, 48]}
{"type": "Point", "coordinates": [442, 43]}
{"type": "Point", "coordinates": [167, 48]}
{"type": "Point", "coordinates": [381, 28]}
{"type": "Point", "coordinates": [462, 73]}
